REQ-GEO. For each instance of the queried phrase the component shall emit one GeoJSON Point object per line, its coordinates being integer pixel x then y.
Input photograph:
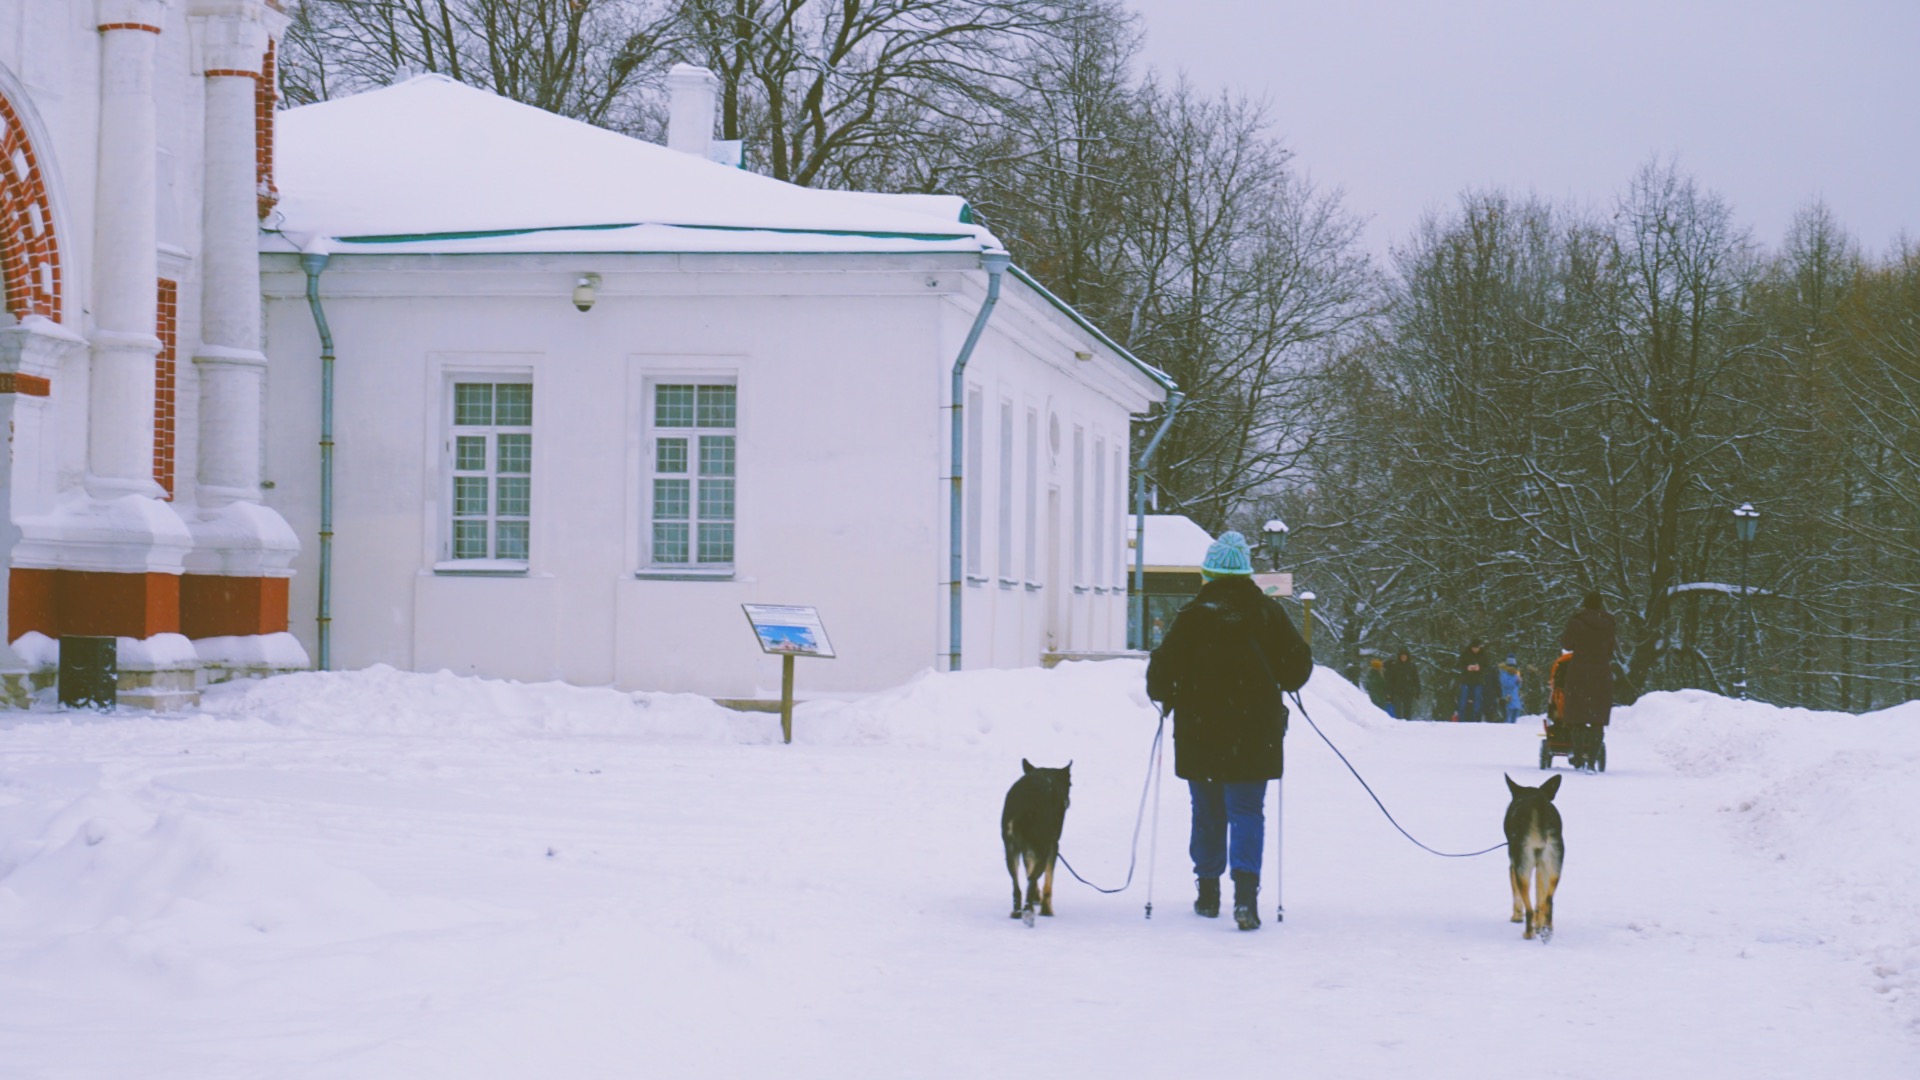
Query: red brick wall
{"type": "Point", "coordinates": [265, 94]}
{"type": "Point", "coordinates": [213, 606]}
{"type": "Point", "coordinates": [165, 385]}
{"type": "Point", "coordinates": [57, 602]}
{"type": "Point", "coordinates": [29, 256]}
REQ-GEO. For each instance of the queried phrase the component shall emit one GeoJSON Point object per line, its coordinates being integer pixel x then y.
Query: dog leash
{"type": "Point", "coordinates": [1153, 773]}
{"type": "Point", "coordinates": [1376, 799]}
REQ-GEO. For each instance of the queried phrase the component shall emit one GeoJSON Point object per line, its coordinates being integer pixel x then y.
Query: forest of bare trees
{"type": "Point", "coordinates": [1527, 400]}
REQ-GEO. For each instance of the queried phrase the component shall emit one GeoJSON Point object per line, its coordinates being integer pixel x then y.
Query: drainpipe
{"type": "Point", "coordinates": [1174, 402]}
{"type": "Point", "coordinates": [995, 264]}
{"type": "Point", "coordinates": [313, 263]}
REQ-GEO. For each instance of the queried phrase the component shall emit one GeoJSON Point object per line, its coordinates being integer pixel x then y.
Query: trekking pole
{"type": "Point", "coordinates": [1279, 819]}
{"type": "Point", "coordinates": [1153, 841]}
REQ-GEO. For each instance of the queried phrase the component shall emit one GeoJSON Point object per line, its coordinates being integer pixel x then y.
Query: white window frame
{"type": "Point", "coordinates": [1032, 563]}
{"type": "Point", "coordinates": [692, 462]}
{"type": "Point", "coordinates": [1004, 526]}
{"type": "Point", "coordinates": [1120, 567]}
{"type": "Point", "coordinates": [1079, 498]}
{"type": "Point", "coordinates": [456, 465]}
{"type": "Point", "coordinates": [974, 484]}
{"type": "Point", "coordinates": [1099, 574]}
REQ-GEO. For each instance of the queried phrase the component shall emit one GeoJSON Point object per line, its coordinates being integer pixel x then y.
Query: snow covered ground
{"type": "Point", "coordinates": [379, 874]}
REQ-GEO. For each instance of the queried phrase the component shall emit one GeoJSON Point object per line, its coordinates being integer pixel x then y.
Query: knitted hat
{"type": "Point", "coordinates": [1512, 659]}
{"type": "Point", "coordinates": [1228, 556]}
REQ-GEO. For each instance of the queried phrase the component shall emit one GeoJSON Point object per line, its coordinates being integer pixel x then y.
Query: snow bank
{"type": "Point", "coordinates": [382, 700]}
{"type": "Point", "coordinates": [167, 893]}
{"type": "Point", "coordinates": [1831, 794]}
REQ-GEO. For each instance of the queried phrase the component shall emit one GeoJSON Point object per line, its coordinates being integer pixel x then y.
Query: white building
{"type": "Point", "coordinates": [753, 407]}
{"type": "Point", "coordinates": [135, 160]}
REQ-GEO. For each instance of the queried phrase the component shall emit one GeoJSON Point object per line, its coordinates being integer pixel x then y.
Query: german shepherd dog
{"type": "Point", "coordinates": [1534, 853]}
{"type": "Point", "coordinates": [1030, 822]}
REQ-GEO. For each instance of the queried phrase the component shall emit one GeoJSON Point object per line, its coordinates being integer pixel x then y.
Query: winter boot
{"type": "Point", "coordinates": [1207, 904]}
{"type": "Point", "coordinates": [1246, 891]}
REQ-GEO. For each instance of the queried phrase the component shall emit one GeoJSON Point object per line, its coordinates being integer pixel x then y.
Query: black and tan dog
{"type": "Point", "coordinates": [1030, 822]}
{"type": "Point", "coordinates": [1534, 853]}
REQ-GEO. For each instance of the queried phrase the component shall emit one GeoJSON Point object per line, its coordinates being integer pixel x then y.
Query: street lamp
{"type": "Point", "coordinates": [1274, 534]}
{"type": "Point", "coordinates": [1746, 522]}
{"type": "Point", "coordinates": [1306, 616]}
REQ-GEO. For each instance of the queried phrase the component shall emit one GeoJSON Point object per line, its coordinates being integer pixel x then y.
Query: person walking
{"type": "Point", "coordinates": [1510, 688]}
{"type": "Point", "coordinates": [1476, 667]}
{"type": "Point", "coordinates": [1403, 686]}
{"type": "Point", "coordinates": [1374, 682]}
{"type": "Point", "coordinates": [1588, 677]}
{"type": "Point", "coordinates": [1220, 672]}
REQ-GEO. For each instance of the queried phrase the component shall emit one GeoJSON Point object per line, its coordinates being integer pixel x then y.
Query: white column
{"type": "Point", "coordinates": [228, 360]}
{"type": "Point", "coordinates": [234, 534]}
{"type": "Point", "coordinates": [125, 255]}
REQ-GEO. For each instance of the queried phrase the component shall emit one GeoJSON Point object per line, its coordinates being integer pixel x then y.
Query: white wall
{"type": "Point", "coordinates": [842, 488]}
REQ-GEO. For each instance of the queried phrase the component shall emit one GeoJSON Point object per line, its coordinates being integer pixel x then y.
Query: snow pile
{"type": "Point", "coordinates": [1830, 795]}
{"type": "Point", "coordinates": [383, 700]}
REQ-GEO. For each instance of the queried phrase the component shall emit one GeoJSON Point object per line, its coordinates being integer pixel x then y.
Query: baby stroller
{"type": "Point", "coordinates": [1584, 746]}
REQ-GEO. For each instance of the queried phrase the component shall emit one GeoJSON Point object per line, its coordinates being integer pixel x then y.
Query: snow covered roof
{"type": "Point", "coordinates": [1173, 541]}
{"type": "Point", "coordinates": [431, 164]}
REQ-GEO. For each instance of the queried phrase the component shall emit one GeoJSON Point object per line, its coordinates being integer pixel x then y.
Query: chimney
{"type": "Point", "coordinates": [690, 100]}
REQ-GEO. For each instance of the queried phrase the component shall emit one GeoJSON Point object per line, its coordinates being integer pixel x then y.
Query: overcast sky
{"type": "Point", "coordinates": [1405, 103]}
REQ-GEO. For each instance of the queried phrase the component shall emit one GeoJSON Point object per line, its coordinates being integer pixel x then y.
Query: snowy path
{"type": "Point", "coordinates": [386, 875]}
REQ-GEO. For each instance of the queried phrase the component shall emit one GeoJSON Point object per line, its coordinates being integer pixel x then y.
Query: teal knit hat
{"type": "Point", "coordinates": [1228, 557]}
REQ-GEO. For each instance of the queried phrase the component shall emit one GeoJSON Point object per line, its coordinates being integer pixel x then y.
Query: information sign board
{"type": "Point", "coordinates": [789, 630]}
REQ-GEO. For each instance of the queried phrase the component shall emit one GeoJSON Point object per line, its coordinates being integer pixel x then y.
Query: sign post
{"type": "Point", "coordinates": [788, 631]}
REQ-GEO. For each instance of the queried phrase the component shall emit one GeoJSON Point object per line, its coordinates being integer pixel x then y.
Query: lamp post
{"type": "Point", "coordinates": [1746, 522]}
{"type": "Point", "coordinates": [1306, 617]}
{"type": "Point", "coordinates": [1274, 535]}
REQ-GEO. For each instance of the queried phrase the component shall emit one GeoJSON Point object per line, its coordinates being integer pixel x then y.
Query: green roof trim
{"type": "Point", "coordinates": [487, 234]}
{"type": "Point", "coordinates": [1162, 378]}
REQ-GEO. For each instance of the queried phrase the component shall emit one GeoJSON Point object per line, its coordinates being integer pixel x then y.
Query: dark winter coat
{"type": "Point", "coordinates": [1221, 669]}
{"type": "Point", "coordinates": [1588, 674]}
{"type": "Point", "coordinates": [1488, 675]}
{"type": "Point", "coordinates": [1403, 679]}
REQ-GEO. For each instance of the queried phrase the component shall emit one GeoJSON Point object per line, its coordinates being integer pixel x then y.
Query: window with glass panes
{"type": "Point", "coordinates": [692, 479]}
{"type": "Point", "coordinates": [492, 494]}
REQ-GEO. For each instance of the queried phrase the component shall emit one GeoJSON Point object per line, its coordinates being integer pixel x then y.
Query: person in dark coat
{"type": "Point", "coordinates": [1588, 674]}
{"type": "Point", "coordinates": [1374, 681]}
{"type": "Point", "coordinates": [1220, 672]}
{"type": "Point", "coordinates": [1403, 685]}
{"type": "Point", "coordinates": [1475, 699]}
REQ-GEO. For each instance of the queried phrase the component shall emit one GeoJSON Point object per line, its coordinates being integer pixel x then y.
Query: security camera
{"type": "Point", "coordinates": [583, 290]}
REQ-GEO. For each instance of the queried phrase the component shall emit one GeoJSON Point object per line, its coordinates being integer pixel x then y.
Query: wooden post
{"type": "Point", "coordinates": [786, 698]}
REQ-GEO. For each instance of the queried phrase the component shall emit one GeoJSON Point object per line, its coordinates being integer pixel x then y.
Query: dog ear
{"type": "Point", "coordinates": [1547, 789]}
{"type": "Point", "coordinates": [1026, 767]}
{"type": "Point", "coordinates": [1069, 766]}
{"type": "Point", "coordinates": [1516, 789]}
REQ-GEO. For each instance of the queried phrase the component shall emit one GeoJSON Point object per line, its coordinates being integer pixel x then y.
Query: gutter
{"type": "Point", "coordinates": [995, 264]}
{"type": "Point", "coordinates": [314, 263]}
{"type": "Point", "coordinates": [1174, 401]}
{"type": "Point", "coordinates": [1158, 377]}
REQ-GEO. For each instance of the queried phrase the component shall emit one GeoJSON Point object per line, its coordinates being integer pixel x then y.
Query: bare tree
{"type": "Point", "coordinates": [587, 59]}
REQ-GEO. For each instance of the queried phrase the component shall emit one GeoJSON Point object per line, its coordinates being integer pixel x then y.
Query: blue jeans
{"type": "Point", "coordinates": [1513, 710]}
{"type": "Point", "coordinates": [1229, 826]}
{"type": "Point", "coordinates": [1473, 698]}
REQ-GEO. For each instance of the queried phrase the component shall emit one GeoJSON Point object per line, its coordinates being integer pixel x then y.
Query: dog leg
{"type": "Point", "coordinates": [1033, 886]}
{"type": "Point", "coordinates": [1549, 881]}
{"type": "Point", "coordinates": [1013, 871]}
{"type": "Point", "coordinates": [1519, 893]}
{"type": "Point", "coordinates": [1046, 892]}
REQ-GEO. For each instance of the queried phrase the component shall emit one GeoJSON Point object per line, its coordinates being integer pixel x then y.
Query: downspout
{"type": "Point", "coordinates": [995, 264]}
{"type": "Point", "coordinates": [1174, 401]}
{"type": "Point", "coordinates": [313, 263]}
